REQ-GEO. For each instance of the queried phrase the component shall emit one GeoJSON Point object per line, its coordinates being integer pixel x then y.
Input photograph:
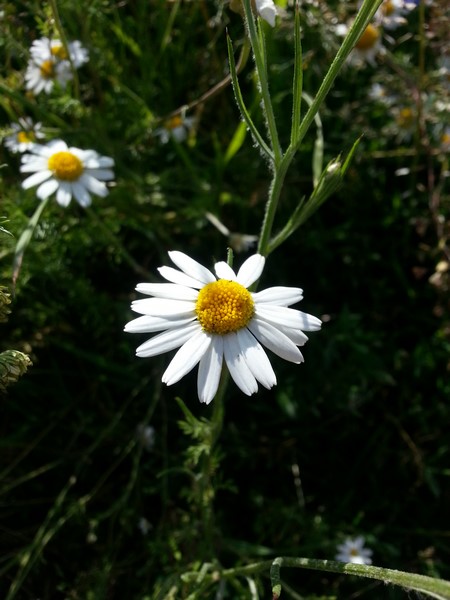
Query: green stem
{"type": "Point", "coordinates": [272, 202]}
{"type": "Point", "coordinates": [436, 588]}
{"type": "Point", "coordinates": [261, 70]}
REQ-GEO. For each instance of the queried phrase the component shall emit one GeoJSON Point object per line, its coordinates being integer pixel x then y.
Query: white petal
{"type": "Point", "coordinates": [94, 185]}
{"type": "Point", "coordinates": [256, 358]}
{"type": "Point", "coordinates": [187, 357]}
{"type": "Point", "coordinates": [275, 340]}
{"type": "Point", "coordinates": [191, 267]}
{"type": "Point", "coordinates": [157, 307]}
{"type": "Point", "coordinates": [175, 276]}
{"type": "Point", "coordinates": [148, 324]}
{"type": "Point", "coordinates": [295, 335]}
{"type": "Point", "coordinates": [36, 179]}
{"type": "Point", "coordinates": [64, 194]}
{"type": "Point", "coordinates": [53, 147]}
{"type": "Point", "coordinates": [224, 271]}
{"type": "Point", "coordinates": [81, 194]}
{"type": "Point", "coordinates": [166, 341]}
{"type": "Point", "coordinates": [47, 188]}
{"type": "Point", "coordinates": [267, 10]}
{"type": "Point", "coordinates": [102, 174]}
{"type": "Point", "coordinates": [239, 371]}
{"type": "Point", "coordinates": [167, 290]}
{"type": "Point", "coordinates": [209, 370]}
{"type": "Point", "coordinates": [251, 270]}
{"type": "Point", "coordinates": [279, 295]}
{"type": "Point", "coordinates": [288, 317]}
{"type": "Point", "coordinates": [31, 163]}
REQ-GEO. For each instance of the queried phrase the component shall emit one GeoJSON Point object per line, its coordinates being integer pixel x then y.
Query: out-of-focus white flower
{"type": "Point", "coordinates": [144, 526]}
{"type": "Point", "coordinates": [49, 63]}
{"type": "Point", "coordinates": [379, 93]}
{"type": "Point", "coordinates": [240, 242]}
{"type": "Point", "coordinates": [23, 135]}
{"type": "Point", "coordinates": [176, 127]}
{"type": "Point", "coordinates": [366, 48]}
{"type": "Point", "coordinates": [267, 11]}
{"type": "Point", "coordinates": [353, 551]}
{"type": "Point", "coordinates": [41, 77]}
{"type": "Point", "coordinates": [53, 49]}
{"type": "Point", "coordinates": [146, 436]}
{"type": "Point", "coordinates": [213, 320]}
{"type": "Point", "coordinates": [391, 14]}
{"type": "Point", "coordinates": [67, 171]}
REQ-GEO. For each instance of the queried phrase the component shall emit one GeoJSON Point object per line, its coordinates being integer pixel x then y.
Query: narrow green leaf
{"type": "Point", "coordinates": [236, 141]}
{"type": "Point", "coordinates": [240, 102]}
{"type": "Point", "coordinates": [298, 78]}
{"type": "Point", "coordinates": [25, 239]}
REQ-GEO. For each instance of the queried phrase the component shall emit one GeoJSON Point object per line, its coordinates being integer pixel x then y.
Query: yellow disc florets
{"type": "Point", "coordinates": [25, 137]}
{"type": "Point", "coordinates": [59, 51]}
{"type": "Point", "coordinates": [47, 69]}
{"type": "Point", "coordinates": [387, 8]}
{"type": "Point", "coordinates": [223, 307]}
{"type": "Point", "coordinates": [173, 122]}
{"type": "Point", "coordinates": [368, 38]}
{"type": "Point", "coordinates": [65, 165]}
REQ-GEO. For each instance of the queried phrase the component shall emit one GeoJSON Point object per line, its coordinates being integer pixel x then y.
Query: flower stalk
{"type": "Point", "coordinates": [281, 160]}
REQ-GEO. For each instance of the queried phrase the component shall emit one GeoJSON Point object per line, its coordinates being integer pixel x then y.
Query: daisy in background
{"type": "Point", "coordinates": [391, 14]}
{"type": "Point", "coordinates": [353, 551]}
{"type": "Point", "coordinates": [266, 9]}
{"type": "Point", "coordinates": [216, 319]}
{"type": "Point", "coordinates": [53, 49]}
{"type": "Point", "coordinates": [41, 77]}
{"type": "Point", "coordinates": [177, 128]}
{"type": "Point", "coordinates": [23, 135]}
{"type": "Point", "coordinates": [378, 93]}
{"type": "Point", "coordinates": [367, 48]}
{"type": "Point", "coordinates": [67, 171]}
{"type": "Point", "coordinates": [49, 63]}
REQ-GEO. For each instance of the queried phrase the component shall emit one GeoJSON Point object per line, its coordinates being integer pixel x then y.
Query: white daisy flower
{"type": "Point", "coordinates": [41, 76]}
{"type": "Point", "coordinates": [391, 13]}
{"type": "Point", "coordinates": [176, 127]}
{"type": "Point", "coordinates": [267, 11]}
{"type": "Point", "coordinates": [353, 551]}
{"type": "Point", "coordinates": [66, 171]}
{"type": "Point", "coordinates": [213, 320]}
{"type": "Point", "coordinates": [45, 49]}
{"type": "Point", "coordinates": [378, 93]}
{"type": "Point", "coordinates": [23, 135]}
{"type": "Point", "coordinates": [368, 46]}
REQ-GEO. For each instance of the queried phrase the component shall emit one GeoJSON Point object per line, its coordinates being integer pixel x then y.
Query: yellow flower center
{"type": "Point", "coordinates": [47, 69]}
{"type": "Point", "coordinates": [368, 38]}
{"type": "Point", "coordinates": [388, 7]}
{"type": "Point", "coordinates": [24, 137]}
{"type": "Point", "coordinates": [354, 552]}
{"type": "Point", "coordinates": [59, 51]}
{"type": "Point", "coordinates": [445, 139]}
{"type": "Point", "coordinates": [223, 307]}
{"type": "Point", "coordinates": [173, 122]}
{"type": "Point", "coordinates": [65, 166]}
{"type": "Point", "coordinates": [405, 118]}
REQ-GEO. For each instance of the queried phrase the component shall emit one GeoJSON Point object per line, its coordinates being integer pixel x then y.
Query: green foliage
{"type": "Point", "coordinates": [354, 441]}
